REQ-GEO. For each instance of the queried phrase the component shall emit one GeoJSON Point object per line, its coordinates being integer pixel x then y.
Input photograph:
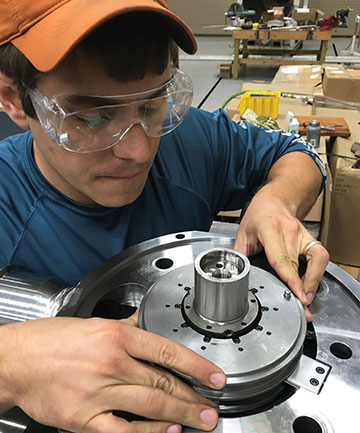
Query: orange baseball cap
{"type": "Point", "coordinates": [45, 31]}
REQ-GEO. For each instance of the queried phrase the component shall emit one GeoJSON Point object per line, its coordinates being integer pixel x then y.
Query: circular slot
{"type": "Point", "coordinates": [341, 350]}
{"type": "Point", "coordinates": [305, 424]}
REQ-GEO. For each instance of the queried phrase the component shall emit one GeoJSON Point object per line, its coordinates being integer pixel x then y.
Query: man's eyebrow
{"type": "Point", "coordinates": [90, 100]}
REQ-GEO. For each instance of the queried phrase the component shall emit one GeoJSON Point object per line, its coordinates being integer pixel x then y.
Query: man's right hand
{"type": "Point", "coordinates": [72, 373]}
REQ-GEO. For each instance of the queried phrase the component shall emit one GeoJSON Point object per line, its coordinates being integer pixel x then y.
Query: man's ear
{"type": "Point", "coordinates": [9, 99]}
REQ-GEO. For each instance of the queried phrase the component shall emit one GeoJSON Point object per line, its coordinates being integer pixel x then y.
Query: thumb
{"type": "Point", "coordinates": [133, 320]}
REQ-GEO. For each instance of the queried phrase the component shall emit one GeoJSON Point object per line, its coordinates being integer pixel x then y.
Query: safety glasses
{"type": "Point", "coordinates": [86, 123]}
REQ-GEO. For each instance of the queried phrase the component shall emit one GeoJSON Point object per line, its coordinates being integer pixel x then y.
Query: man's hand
{"type": "Point", "coordinates": [268, 224]}
{"type": "Point", "coordinates": [72, 373]}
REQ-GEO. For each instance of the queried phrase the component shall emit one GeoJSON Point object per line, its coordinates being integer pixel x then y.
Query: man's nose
{"type": "Point", "coordinates": [134, 145]}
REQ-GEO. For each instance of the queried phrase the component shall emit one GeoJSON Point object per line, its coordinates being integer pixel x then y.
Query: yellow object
{"type": "Point", "coordinates": [266, 103]}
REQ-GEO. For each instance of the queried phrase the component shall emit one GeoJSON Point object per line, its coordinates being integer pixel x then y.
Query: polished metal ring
{"type": "Point", "coordinates": [310, 245]}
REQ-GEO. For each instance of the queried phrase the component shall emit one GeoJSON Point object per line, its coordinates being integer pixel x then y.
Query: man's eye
{"type": "Point", "coordinates": [93, 121]}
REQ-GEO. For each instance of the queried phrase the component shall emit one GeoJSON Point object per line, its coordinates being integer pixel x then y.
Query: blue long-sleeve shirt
{"type": "Point", "coordinates": [208, 164]}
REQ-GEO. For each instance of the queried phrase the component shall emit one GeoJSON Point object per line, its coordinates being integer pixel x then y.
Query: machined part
{"type": "Point", "coordinates": [309, 374]}
{"type": "Point", "coordinates": [26, 296]}
{"type": "Point", "coordinates": [221, 285]}
{"type": "Point", "coordinates": [255, 362]}
{"type": "Point", "coordinates": [286, 408]}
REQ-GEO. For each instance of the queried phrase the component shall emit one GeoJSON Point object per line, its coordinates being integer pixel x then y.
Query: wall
{"type": "Point", "coordinates": [207, 17]}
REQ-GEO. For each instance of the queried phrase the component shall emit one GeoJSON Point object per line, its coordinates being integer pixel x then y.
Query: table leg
{"type": "Point", "coordinates": [323, 49]}
{"type": "Point", "coordinates": [236, 58]}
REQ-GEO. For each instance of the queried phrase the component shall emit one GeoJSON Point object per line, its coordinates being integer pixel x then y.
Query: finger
{"type": "Point", "coordinates": [139, 373]}
{"type": "Point", "coordinates": [109, 423]}
{"type": "Point", "coordinates": [161, 379]}
{"type": "Point", "coordinates": [157, 405]}
{"type": "Point", "coordinates": [308, 315]}
{"type": "Point", "coordinates": [317, 259]}
{"type": "Point", "coordinates": [133, 320]}
{"type": "Point", "coordinates": [284, 261]}
{"type": "Point", "coordinates": [170, 354]}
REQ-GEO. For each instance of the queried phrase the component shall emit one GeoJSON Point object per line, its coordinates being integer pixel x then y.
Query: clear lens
{"type": "Point", "coordinates": [100, 127]}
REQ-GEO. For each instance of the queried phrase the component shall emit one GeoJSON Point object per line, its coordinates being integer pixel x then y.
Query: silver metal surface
{"type": "Point", "coordinates": [336, 330]}
{"type": "Point", "coordinates": [221, 285]}
{"type": "Point", "coordinates": [256, 357]}
{"type": "Point", "coordinates": [25, 296]}
{"type": "Point", "coordinates": [309, 374]}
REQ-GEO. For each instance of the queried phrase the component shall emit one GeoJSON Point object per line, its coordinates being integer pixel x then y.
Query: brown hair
{"type": "Point", "coordinates": [129, 46]}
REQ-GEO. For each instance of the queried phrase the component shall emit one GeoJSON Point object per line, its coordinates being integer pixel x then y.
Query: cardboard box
{"type": "Point", "coordinates": [276, 13]}
{"type": "Point", "coordinates": [307, 77]}
{"type": "Point", "coordinates": [225, 70]}
{"type": "Point", "coordinates": [340, 230]}
{"type": "Point", "coordinates": [354, 271]}
{"type": "Point", "coordinates": [306, 15]}
{"type": "Point", "coordinates": [341, 83]}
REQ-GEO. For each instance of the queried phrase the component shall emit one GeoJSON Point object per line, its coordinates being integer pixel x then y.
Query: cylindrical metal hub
{"type": "Point", "coordinates": [221, 285]}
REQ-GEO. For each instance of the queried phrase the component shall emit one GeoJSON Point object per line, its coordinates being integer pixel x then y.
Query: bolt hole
{"type": "Point", "coordinates": [341, 350]}
{"type": "Point", "coordinates": [240, 349]}
{"type": "Point", "coordinates": [305, 424]}
{"type": "Point", "coordinates": [175, 330]}
{"type": "Point", "coordinates": [167, 305]}
{"type": "Point", "coordinates": [314, 382]}
{"type": "Point", "coordinates": [264, 308]}
{"type": "Point", "coordinates": [275, 309]}
{"type": "Point", "coordinates": [253, 301]}
{"type": "Point", "coordinates": [180, 236]}
{"type": "Point", "coordinates": [164, 263]}
{"type": "Point", "coordinates": [262, 287]}
{"type": "Point", "coordinates": [203, 348]}
{"type": "Point", "coordinates": [179, 284]}
{"type": "Point", "coordinates": [219, 265]}
{"type": "Point", "coordinates": [243, 323]}
{"type": "Point", "coordinates": [254, 290]}
{"type": "Point", "coordinates": [268, 333]}
{"type": "Point", "coordinates": [188, 307]}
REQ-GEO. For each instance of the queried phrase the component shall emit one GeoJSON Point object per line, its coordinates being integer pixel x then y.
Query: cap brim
{"type": "Point", "coordinates": [47, 42]}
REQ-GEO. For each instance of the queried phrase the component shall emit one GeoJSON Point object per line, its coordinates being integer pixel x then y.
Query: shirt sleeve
{"type": "Point", "coordinates": [245, 154]}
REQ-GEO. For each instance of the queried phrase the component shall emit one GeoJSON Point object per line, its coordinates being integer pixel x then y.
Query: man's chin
{"type": "Point", "coordinates": [118, 200]}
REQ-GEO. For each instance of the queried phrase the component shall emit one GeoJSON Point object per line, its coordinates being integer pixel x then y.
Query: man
{"type": "Point", "coordinates": [114, 157]}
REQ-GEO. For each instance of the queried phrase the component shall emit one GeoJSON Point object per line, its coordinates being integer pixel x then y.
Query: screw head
{"type": "Point", "coordinates": [287, 294]}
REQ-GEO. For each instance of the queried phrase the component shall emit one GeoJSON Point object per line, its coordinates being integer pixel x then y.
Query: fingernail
{"type": "Point", "coordinates": [175, 428]}
{"type": "Point", "coordinates": [310, 297]}
{"type": "Point", "coordinates": [218, 380]}
{"type": "Point", "coordinates": [209, 416]}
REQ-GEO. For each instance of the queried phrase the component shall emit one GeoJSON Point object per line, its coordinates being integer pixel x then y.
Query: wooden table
{"type": "Point", "coordinates": [277, 35]}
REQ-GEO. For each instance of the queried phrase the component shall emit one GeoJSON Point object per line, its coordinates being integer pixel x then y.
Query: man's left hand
{"type": "Point", "coordinates": [268, 224]}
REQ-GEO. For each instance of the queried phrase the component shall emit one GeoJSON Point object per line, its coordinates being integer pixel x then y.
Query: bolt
{"type": "Point", "coordinates": [287, 294]}
{"type": "Point", "coordinates": [320, 370]}
{"type": "Point", "coordinates": [314, 382]}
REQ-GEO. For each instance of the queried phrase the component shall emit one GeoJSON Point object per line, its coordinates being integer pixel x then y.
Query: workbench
{"type": "Point", "coordinates": [258, 35]}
